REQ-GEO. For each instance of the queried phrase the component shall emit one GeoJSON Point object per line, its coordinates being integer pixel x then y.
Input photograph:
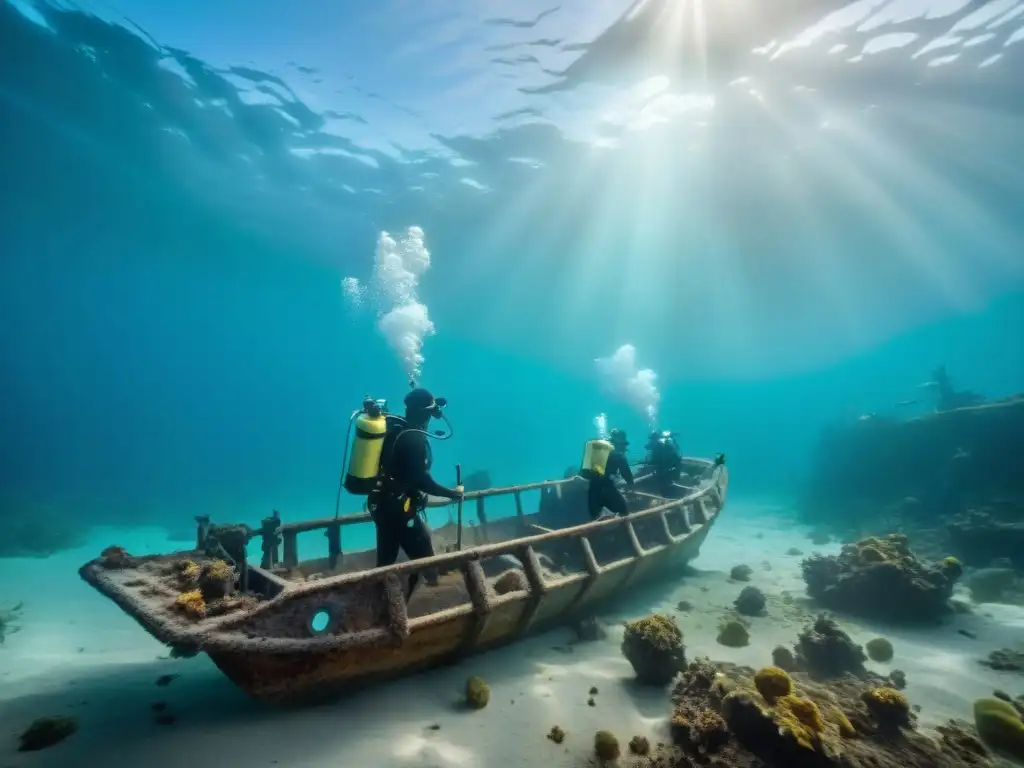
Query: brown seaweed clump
{"type": "Point", "coordinates": [733, 634]}
{"type": "Point", "coordinates": [478, 693]}
{"type": "Point", "coordinates": [606, 746]}
{"type": "Point", "coordinates": [880, 578]}
{"type": "Point", "coordinates": [556, 734]}
{"type": "Point", "coordinates": [719, 717]}
{"type": "Point", "coordinates": [216, 580]}
{"type": "Point", "coordinates": [879, 649]}
{"type": "Point", "coordinates": [114, 558]}
{"type": "Point", "coordinates": [654, 646]}
{"type": "Point", "coordinates": [640, 745]}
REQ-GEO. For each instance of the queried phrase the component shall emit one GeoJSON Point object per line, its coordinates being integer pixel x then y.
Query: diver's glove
{"type": "Point", "coordinates": [720, 460]}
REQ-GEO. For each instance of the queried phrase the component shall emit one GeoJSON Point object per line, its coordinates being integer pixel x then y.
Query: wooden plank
{"type": "Point", "coordinates": [291, 549]}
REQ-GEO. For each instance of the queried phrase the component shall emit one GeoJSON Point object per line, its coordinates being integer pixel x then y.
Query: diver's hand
{"type": "Point", "coordinates": [458, 492]}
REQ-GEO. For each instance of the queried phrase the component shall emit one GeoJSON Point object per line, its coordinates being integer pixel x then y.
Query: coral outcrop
{"type": "Point", "coordinates": [733, 633]}
{"type": "Point", "coordinates": [880, 578]}
{"type": "Point", "coordinates": [191, 604]}
{"type": "Point", "coordinates": [216, 580]}
{"type": "Point", "coordinates": [1000, 727]}
{"type": "Point", "coordinates": [654, 646]}
{"type": "Point", "coordinates": [1005, 660]}
{"type": "Point", "coordinates": [741, 573]}
{"type": "Point", "coordinates": [606, 746]}
{"type": "Point", "coordinates": [720, 717]}
{"type": "Point", "coordinates": [879, 649]}
{"type": "Point", "coordinates": [824, 651]}
{"type": "Point", "coordinates": [478, 693]}
{"type": "Point", "coordinates": [750, 602]}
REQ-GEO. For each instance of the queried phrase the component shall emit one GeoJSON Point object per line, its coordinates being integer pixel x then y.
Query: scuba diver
{"type": "Point", "coordinates": [404, 482]}
{"type": "Point", "coordinates": [665, 460]}
{"type": "Point", "coordinates": [601, 462]}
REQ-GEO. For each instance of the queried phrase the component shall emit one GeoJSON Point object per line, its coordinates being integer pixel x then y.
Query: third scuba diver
{"type": "Point", "coordinates": [665, 460]}
{"type": "Point", "coordinates": [401, 486]}
{"type": "Point", "coordinates": [601, 462]}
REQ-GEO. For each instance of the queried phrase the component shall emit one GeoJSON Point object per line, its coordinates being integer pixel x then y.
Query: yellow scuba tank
{"type": "Point", "coordinates": [364, 461]}
{"type": "Point", "coordinates": [595, 458]}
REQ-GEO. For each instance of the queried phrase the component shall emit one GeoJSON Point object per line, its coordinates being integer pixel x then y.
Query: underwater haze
{"type": "Point", "coordinates": [771, 227]}
{"type": "Point", "coordinates": [789, 215]}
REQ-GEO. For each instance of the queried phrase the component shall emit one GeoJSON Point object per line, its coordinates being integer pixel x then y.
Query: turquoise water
{"type": "Point", "coordinates": [792, 219]}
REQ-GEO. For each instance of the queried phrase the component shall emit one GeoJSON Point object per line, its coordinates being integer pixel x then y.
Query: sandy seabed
{"type": "Point", "coordinates": [78, 655]}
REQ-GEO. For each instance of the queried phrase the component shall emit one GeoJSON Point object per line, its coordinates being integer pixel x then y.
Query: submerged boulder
{"type": "Point", "coordinates": [879, 577]}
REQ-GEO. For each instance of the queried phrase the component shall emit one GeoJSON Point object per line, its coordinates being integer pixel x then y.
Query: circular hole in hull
{"type": "Point", "coordinates": [320, 622]}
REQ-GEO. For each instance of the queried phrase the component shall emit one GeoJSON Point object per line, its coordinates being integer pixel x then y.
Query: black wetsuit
{"type": "Point", "coordinates": [666, 462]}
{"type": "Point", "coordinates": [602, 492]}
{"type": "Point", "coordinates": [395, 507]}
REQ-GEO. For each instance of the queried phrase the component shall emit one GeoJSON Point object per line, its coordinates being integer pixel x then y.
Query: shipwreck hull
{"type": "Point", "coordinates": [305, 676]}
{"type": "Point", "coordinates": [312, 640]}
{"type": "Point", "coordinates": [943, 459]}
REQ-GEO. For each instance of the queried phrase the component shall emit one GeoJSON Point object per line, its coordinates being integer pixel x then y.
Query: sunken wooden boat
{"type": "Point", "coordinates": [293, 630]}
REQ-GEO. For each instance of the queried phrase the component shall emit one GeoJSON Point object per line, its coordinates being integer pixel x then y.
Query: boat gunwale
{"type": "Point", "coordinates": [220, 634]}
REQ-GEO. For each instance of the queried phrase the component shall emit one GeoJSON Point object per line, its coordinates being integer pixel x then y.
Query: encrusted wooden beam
{"type": "Point", "coordinates": [669, 538]}
{"type": "Point", "coordinates": [634, 540]}
{"type": "Point", "coordinates": [291, 548]}
{"type": "Point", "coordinates": [593, 572]}
{"type": "Point", "coordinates": [476, 585]}
{"type": "Point", "coordinates": [333, 546]}
{"type": "Point", "coordinates": [535, 578]}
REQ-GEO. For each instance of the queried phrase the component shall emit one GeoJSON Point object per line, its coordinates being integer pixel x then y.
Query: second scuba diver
{"type": "Point", "coordinates": [602, 493]}
{"type": "Point", "coordinates": [405, 482]}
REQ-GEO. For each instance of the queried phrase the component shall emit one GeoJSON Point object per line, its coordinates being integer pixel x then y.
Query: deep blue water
{"type": "Point", "coordinates": [787, 240]}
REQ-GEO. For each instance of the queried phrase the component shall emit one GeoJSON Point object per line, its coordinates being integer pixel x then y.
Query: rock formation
{"type": "Point", "coordinates": [722, 716]}
{"type": "Point", "coordinates": [881, 578]}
